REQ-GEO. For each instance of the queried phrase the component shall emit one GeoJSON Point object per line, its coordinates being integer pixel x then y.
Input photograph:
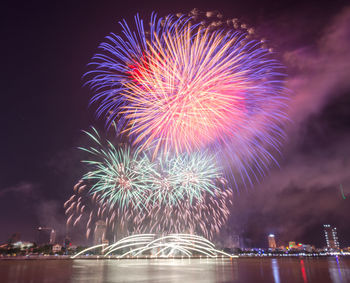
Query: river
{"type": "Point", "coordinates": [281, 270]}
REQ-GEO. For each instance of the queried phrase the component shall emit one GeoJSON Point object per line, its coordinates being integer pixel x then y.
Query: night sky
{"type": "Point", "coordinates": [46, 47]}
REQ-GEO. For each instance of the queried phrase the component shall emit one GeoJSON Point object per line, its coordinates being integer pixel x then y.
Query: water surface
{"type": "Point", "coordinates": [282, 270]}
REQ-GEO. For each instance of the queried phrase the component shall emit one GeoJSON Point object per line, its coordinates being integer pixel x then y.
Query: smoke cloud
{"type": "Point", "coordinates": [296, 199]}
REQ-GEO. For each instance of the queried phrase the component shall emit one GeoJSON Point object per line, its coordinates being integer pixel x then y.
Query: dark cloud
{"type": "Point", "coordinates": [17, 205]}
{"type": "Point", "coordinates": [51, 215]}
{"type": "Point", "coordinates": [292, 214]}
{"type": "Point", "coordinates": [21, 190]}
{"type": "Point", "coordinates": [320, 71]}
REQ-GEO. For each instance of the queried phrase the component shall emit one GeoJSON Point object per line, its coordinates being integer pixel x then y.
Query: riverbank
{"type": "Point", "coordinates": [116, 257]}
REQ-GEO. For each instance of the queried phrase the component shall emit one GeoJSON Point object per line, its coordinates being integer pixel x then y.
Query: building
{"type": "Point", "coordinates": [15, 237]}
{"type": "Point", "coordinates": [22, 245]}
{"type": "Point", "coordinates": [292, 245]}
{"type": "Point", "coordinates": [272, 242]}
{"type": "Point", "coordinates": [67, 243]}
{"type": "Point", "coordinates": [331, 236]}
{"type": "Point", "coordinates": [56, 248]}
{"type": "Point", "coordinates": [52, 237]}
{"type": "Point", "coordinates": [100, 232]}
{"type": "Point", "coordinates": [308, 248]}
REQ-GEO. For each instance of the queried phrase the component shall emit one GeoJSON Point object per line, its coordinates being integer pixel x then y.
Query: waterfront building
{"type": "Point", "coordinates": [52, 236]}
{"type": "Point", "coordinates": [15, 237]}
{"type": "Point", "coordinates": [22, 245]}
{"type": "Point", "coordinates": [67, 242]}
{"type": "Point", "coordinates": [272, 241]}
{"type": "Point", "coordinates": [292, 245]}
{"type": "Point", "coordinates": [331, 237]}
{"type": "Point", "coordinates": [100, 232]}
{"type": "Point", "coordinates": [72, 247]}
{"type": "Point", "coordinates": [308, 248]}
{"type": "Point", "coordinates": [56, 248]}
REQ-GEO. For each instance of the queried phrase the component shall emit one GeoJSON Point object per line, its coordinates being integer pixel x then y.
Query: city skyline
{"type": "Point", "coordinates": [47, 236]}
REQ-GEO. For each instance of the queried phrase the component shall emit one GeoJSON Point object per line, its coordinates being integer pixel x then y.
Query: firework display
{"type": "Point", "coordinates": [181, 177]}
{"type": "Point", "coordinates": [119, 175]}
{"type": "Point", "coordinates": [173, 245]}
{"type": "Point", "coordinates": [178, 86]}
{"type": "Point", "coordinates": [133, 194]}
{"type": "Point", "coordinates": [200, 104]}
{"type": "Point", "coordinates": [203, 217]}
{"type": "Point", "coordinates": [125, 177]}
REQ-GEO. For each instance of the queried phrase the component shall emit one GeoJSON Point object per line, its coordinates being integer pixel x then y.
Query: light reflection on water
{"type": "Point", "coordinates": [276, 273]}
{"type": "Point", "coordinates": [303, 272]}
{"type": "Point", "coordinates": [286, 270]}
{"type": "Point", "coordinates": [339, 270]}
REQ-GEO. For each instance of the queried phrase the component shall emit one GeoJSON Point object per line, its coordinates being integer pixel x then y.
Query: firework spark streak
{"type": "Point", "coordinates": [179, 87]}
{"type": "Point", "coordinates": [203, 216]}
{"type": "Point", "coordinates": [167, 246]}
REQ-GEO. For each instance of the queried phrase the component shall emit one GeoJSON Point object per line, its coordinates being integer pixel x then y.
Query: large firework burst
{"type": "Point", "coordinates": [178, 86]}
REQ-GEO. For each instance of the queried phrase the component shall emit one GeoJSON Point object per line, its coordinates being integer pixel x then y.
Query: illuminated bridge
{"type": "Point", "coordinates": [149, 245]}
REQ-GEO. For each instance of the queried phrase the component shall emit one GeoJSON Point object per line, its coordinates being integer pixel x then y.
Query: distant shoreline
{"type": "Point", "coordinates": [94, 257]}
